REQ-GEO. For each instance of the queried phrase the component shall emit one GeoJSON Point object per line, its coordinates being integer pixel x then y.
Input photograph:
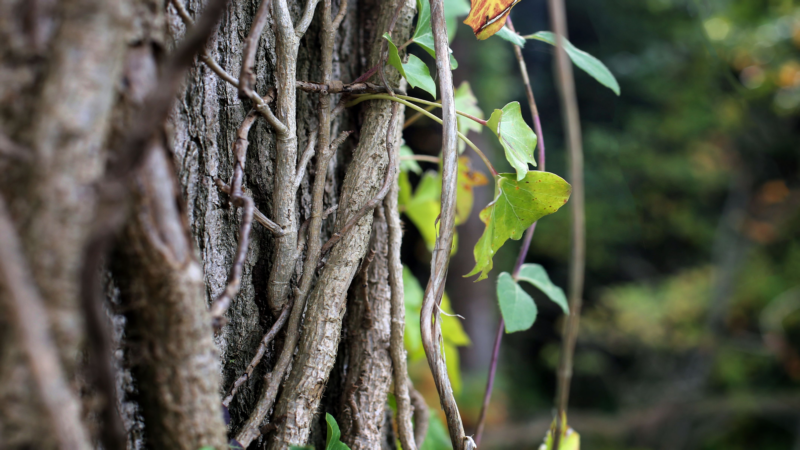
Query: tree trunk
{"type": "Point", "coordinates": [72, 76]}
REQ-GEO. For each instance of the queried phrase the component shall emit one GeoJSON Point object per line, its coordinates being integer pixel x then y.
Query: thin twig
{"type": "Point", "coordinates": [11, 150]}
{"type": "Point", "coordinates": [238, 198]}
{"type": "Point", "coordinates": [426, 158]}
{"type": "Point", "coordinates": [429, 325]}
{"type": "Point", "coordinates": [257, 215]}
{"type": "Point", "coordinates": [307, 154]}
{"type": "Point", "coordinates": [577, 262]}
{"type": "Point", "coordinates": [247, 77]}
{"type": "Point", "coordinates": [370, 205]}
{"type": "Point", "coordinates": [421, 415]}
{"type": "Point", "coordinates": [337, 87]}
{"type": "Point", "coordinates": [252, 427]}
{"type": "Point", "coordinates": [397, 99]}
{"type": "Point", "coordinates": [398, 312]}
{"type": "Point", "coordinates": [262, 349]}
{"type": "Point", "coordinates": [261, 104]}
{"type": "Point", "coordinates": [523, 251]}
{"type": "Point", "coordinates": [27, 311]}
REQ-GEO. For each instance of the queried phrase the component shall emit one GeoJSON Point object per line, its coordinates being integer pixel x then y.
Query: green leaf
{"type": "Point", "coordinates": [404, 194]}
{"type": "Point", "coordinates": [423, 35]}
{"type": "Point", "coordinates": [518, 309]}
{"type": "Point", "coordinates": [453, 333]}
{"type": "Point", "coordinates": [333, 442]}
{"type": "Point", "coordinates": [467, 103]}
{"type": "Point", "coordinates": [537, 276]}
{"type": "Point", "coordinates": [438, 438]}
{"type": "Point", "coordinates": [516, 205]}
{"type": "Point", "coordinates": [414, 71]}
{"type": "Point", "coordinates": [425, 206]}
{"type": "Point", "coordinates": [297, 447]}
{"type": "Point", "coordinates": [516, 137]}
{"type": "Point", "coordinates": [453, 9]}
{"type": "Point", "coordinates": [585, 61]}
{"type": "Point", "coordinates": [570, 439]}
{"type": "Point", "coordinates": [408, 165]}
{"type": "Point", "coordinates": [511, 36]}
{"type": "Point", "coordinates": [412, 297]}
{"type": "Point", "coordinates": [453, 366]}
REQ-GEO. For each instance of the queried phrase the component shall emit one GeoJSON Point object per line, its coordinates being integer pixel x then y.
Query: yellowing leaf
{"type": "Point", "coordinates": [517, 204]}
{"type": "Point", "coordinates": [487, 17]}
{"type": "Point", "coordinates": [467, 180]}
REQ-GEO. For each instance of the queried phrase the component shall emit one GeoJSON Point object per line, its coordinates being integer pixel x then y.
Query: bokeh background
{"type": "Point", "coordinates": [690, 333]}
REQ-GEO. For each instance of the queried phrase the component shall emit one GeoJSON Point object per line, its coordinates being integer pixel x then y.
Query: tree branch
{"type": "Point", "coordinates": [247, 78]}
{"type": "Point", "coordinates": [27, 309]}
{"type": "Point", "coordinates": [396, 346]}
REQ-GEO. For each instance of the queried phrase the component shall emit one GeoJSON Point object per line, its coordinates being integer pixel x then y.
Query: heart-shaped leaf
{"type": "Point", "coordinates": [537, 276]}
{"type": "Point", "coordinates": [414, 71]}
{"type": "Point", "coordinates": [453, 9]}
{"type": "Point", "coordinates": [487, 17]}
{"type": "Point", "coordinates": [518, 309]}
{"type": "Point", "coordinates": [585, 61]}
{"type": "Point", "coordinates": [408, 165]}
{"type": "Point", "coordinates": [516, 205]}
{"type": "Point", "coordinates": [332, 441]}
{"type": "Point", "coordinates": [423, 35]}
{"type": "Point", "coordinates": [516, 137]}
{"type": "Point", "coordinates": [468, 179]}
{"type": "Point", "coordinates": [510, 36]}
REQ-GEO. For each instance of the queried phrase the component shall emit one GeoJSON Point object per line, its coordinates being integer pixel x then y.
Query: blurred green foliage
{"type": "Point", "coordinates": [692, 314]}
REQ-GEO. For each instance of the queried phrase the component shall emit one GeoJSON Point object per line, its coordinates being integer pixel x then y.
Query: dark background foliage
{"type": "Point", "coordinates": [690, 335]}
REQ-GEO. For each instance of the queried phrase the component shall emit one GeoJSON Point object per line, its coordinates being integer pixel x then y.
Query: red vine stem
{"type": "Point", "coordinates": [526, 243]}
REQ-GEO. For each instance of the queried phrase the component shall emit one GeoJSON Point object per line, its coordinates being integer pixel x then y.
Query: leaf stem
{"type": "Point", "coordinates": [397, 99]}
{"type": "Point", "coordinates": [526, 242]}
{"type": "Point", "coordinates": [426, 158]}
{"type": "Point", "coordinates": [439, 105]}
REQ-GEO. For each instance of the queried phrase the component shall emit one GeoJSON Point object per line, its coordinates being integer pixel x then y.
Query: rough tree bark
{"type": "Point", "coordinates": [71, 74]}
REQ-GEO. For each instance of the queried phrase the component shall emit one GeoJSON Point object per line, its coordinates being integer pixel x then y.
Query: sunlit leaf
{"type": "Point", "coordinates": [438, 438]}
{"type": "Point", "coordinates": [467, 180]}
{"type": "Point", "coordinates": [467, 103]}
{"type": "Point", "coordinates": [423, 35]}
{"type": "Point", "coordinates": [412, 297]}
{"type": "Point", "coordinates": [537, 276]}
{"type": "Point", "coordinates": [332, 441]}
{"type": "Point", "coordinates": [518, 309]}
{"type": "Point", "coordinates": [408, 165]}
{"type": "Point", "coordinates": [452, 329]}
{"type": "Point", "coordinates": [516, 205]}
{"type": "Point", "coordinates": [453, 366]}
{"type": "Point", "coordinates": [570, 439]}
{"type": "Point", "coordinates": [404, 192]}
{"type": "Point", "coordinates": [414, 71]}
{"type": "Point", "coordinates": [487, 17]}
{"type": "Point", "coordinates": [453, 9]}
{"type": "Point", "coordinates": [510, 36]}
{"type": "Point", "coordinates": [425, 206]}
{"type": "Point", "coordinates": [516, 137]}
{"type": "Point", "coordinates": [453, 332]}
{"type": "Point", "coordinates": [585, 61]}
